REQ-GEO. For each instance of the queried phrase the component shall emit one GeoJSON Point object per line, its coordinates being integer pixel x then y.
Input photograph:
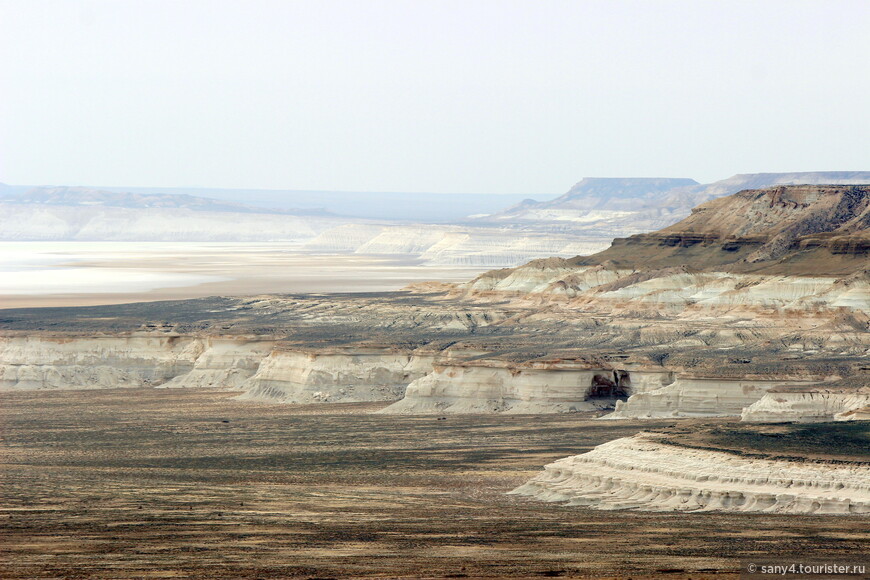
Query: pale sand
{"type": "Point", "coordinates": [91, 273]}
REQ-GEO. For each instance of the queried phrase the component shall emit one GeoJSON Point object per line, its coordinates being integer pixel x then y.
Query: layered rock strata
{"type": "Point", "coordinates": [705, 318]}
{"type": "Point", "coordinates": [808, 406]}
{"type": "Point", "coordinates": [224, 363]}
{"type": "Point", "coordinates": [264, 369]}
{"type": "Point", "coordinates": [618, 207]}
{"type": "Point", "coordinates": [860, 414]}
{"type": "Point", "coordinates": [99, 362]}
{"type": "Point", "coordinates": [543, 387]}
{"type": "Point", "coordinates": [696, 397]}
{"type": "Point", "coordinates": [645, 474]}
{"type": "Point", "coordinates": [789, 230]}
{"type": "Point", "coordinates": [335, 376]}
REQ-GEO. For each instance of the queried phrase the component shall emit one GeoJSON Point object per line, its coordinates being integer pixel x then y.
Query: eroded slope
{"type": "Point", "coordinates": [714, 470]}
{"type": "Point", "coordinates": [712, 329]}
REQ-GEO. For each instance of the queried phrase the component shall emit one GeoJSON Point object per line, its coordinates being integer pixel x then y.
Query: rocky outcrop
{"type": "Point", "coordinates": [610, 207]}
{"type": "Point", "coordinates": [808, 406]}
{"type": "Point", "coordinates": [793, 230]}
{"type": "Point", "coordinates": [224, 363]}
{"type": "Point", "coordinates": [263, 369]}
{"type": "Point", "coordinates": [860, 414]}
{"type": "Point", "coordinates": [696, 397]}
{"type": "Point", "coordinates": [596, 201]}
{"type": "Point", "coordinates": [643, 473]}
{"type": "Point", "coordinates": [545, 276]}
{"type": "Point", "coordinates": [94, 362]}
{"type": "Point", "coordinates": [546, 387]}
{"type": "Point", "coordinates": [291, 376]}
{"type": "Point", "coordinates": [673, 290]}
{"type": "Point", "coordinates": [493, 386]}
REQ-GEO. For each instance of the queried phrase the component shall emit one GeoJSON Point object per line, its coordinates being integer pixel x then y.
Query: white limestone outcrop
{"type": "Point", "coordinates": [695, 397]}
{"type": "Point", "coordinates": [673, 290]}
{"type": "Point", "coordinates": [262, 369]}
{"type": "Point", "coordinates": [224, 363]}
{"type": "Point", "coordinates": [291, 376]}
{"type": "Point", "coordinates": [29, 363]}
{"type": "Point", "coordinates": [644, 474]}
{"type": "Point", "coordinates": [494, 387]}
{"type": "Point", "coordinates": [549, 275]}
{"type": "Point", "coordinates": [807, 407]}
{"type": "Point", "coordinates": [479, 389]}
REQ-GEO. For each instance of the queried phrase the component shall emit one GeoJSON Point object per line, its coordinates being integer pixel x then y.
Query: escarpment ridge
{"type": "Point", "coordinates": [794, 236]}
{"type": "Point", "coordinates": [794, 230]}
{"type": "Point", "coordinates": [784, 265]}
{"type": "Point", "coordinates": [648, 328]}
{"type": "Point", "coordinates": [262, 369]}
{"type": "Point", "coordinates": [768, 321]}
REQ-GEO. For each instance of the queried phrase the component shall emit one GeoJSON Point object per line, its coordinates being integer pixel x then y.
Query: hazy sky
{"type": "Point", "coordinates": [441, 96]}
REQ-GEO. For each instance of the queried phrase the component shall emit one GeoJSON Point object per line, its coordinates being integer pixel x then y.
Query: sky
{"type": "Point", "coordinates": [466, 96]}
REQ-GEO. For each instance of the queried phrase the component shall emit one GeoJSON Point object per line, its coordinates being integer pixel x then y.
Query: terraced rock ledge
{"type": "Point", "coordinates": [648, 472]}
{"type": "Point", "coordinates": [757, 304]}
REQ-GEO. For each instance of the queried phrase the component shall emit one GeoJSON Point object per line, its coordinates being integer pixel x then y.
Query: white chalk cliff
{"type": "Point", "coordinates": [496, 387]}
{"type": "Point", "coordinates": [32, 363]}
{"type": "Point", "coordinates": [809, 406]}
{"type": "Point", "coordinates": [334, 376]}
{"type": "Point", "coordinates": [263, 369]}
{"type": "Point", "coordinates": [708, 317]}
{"type": "Point", "coordinates": [695, 397]}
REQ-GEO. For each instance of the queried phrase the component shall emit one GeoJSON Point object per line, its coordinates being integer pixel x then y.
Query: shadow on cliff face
{"type": "Point", "coordinates": [604, 389]}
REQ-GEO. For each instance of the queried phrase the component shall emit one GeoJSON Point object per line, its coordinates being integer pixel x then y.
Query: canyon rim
{"type": "Point", "coordinates": [716, 368]}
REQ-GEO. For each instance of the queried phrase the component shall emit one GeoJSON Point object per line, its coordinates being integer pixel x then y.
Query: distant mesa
{"type": "Point", "coordinates": [625, 206]}
{"type": "Point", "coordinates": [476, 231]}
{"type": "Point", "coordinates": [83, 196]}
{"type": "Point", "coordinates": [789, 229]}
{"type": "Point", "coordinates": [594, 191]}
{"type": "Point", "coordinates": [764, 292]}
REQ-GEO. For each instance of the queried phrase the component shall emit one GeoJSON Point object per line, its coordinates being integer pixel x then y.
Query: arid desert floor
{"type": "Point", "coordinates": [159, 483]}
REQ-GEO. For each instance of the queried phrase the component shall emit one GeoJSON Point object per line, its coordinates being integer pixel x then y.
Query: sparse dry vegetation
{"type": "Point", "coordinates": [184, 483]}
